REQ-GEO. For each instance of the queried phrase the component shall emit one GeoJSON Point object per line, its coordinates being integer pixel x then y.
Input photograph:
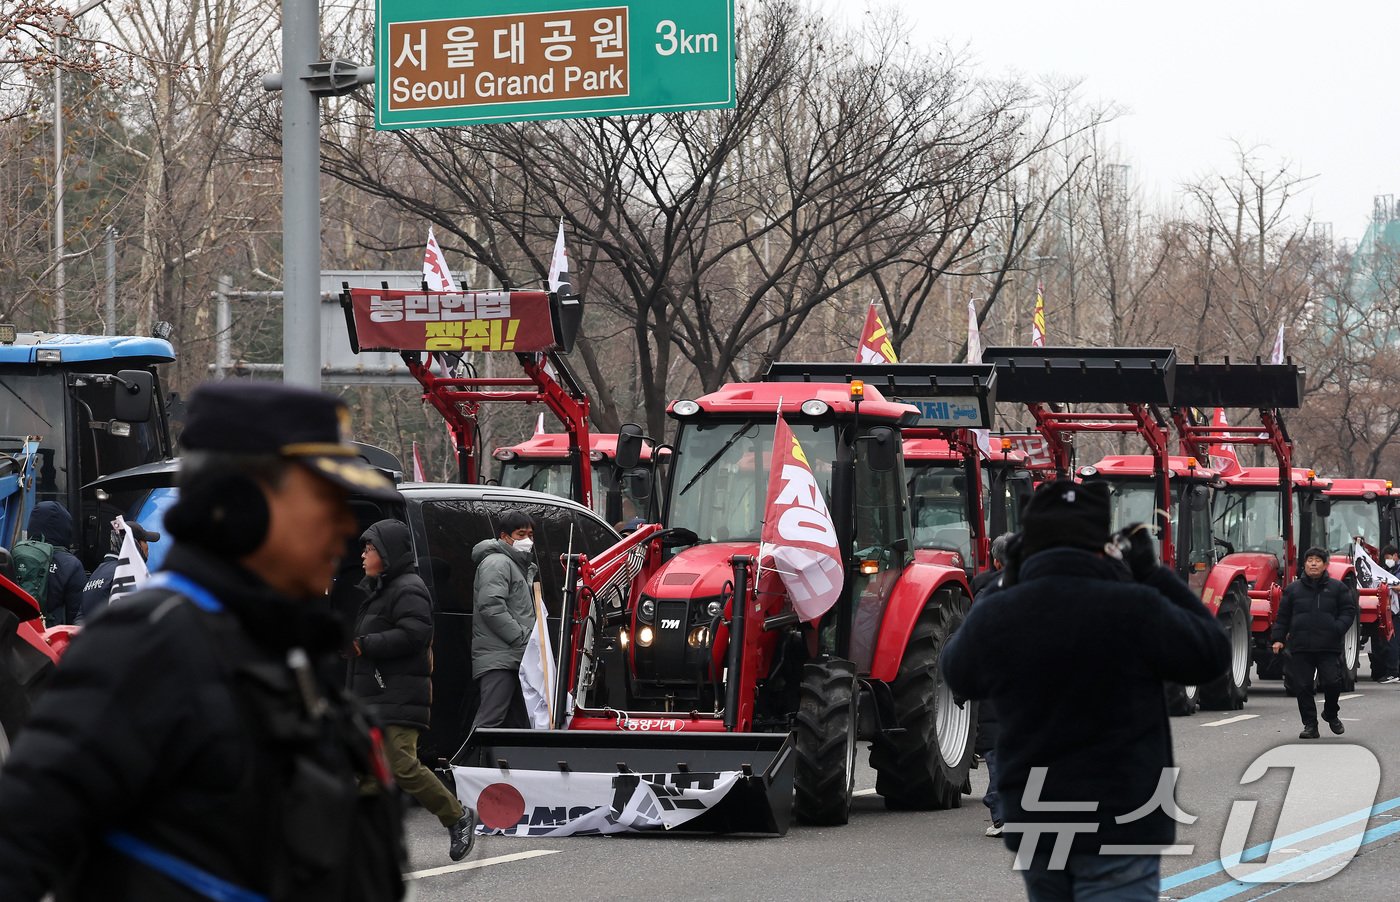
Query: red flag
{"type": "Point", "coordinates": [1038, 319]}
{"type": "Point", "coordinates": [418, 465]}
{"type": "Point", "coordinates": [799, 537]}
{"type": "Point", "coordinates": [1223, 457]}
{"type": "Point", "coordinates": [875, 346]}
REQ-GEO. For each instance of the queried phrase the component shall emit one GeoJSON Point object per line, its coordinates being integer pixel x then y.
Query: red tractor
{"type": "Point", "coordinates": [721, 674]}
{"type": "Point", "coordinates": [1171, 492]}
{"type": "Point", "coordinates": [27, 659]}
{"type": "Point", "coordinates": [545, 462]}
{"type": "Point", "coordinates": [1363, 510]}
{"type": "Point", "coordinates": [1254, 510]}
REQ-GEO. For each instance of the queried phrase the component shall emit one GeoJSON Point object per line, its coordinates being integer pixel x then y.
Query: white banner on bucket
{"type": "Point", "coordinates": [554, 803]}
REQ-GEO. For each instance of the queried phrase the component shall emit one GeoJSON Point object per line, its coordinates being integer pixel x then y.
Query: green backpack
{"type": "Point", "coordinates": [32, 561]}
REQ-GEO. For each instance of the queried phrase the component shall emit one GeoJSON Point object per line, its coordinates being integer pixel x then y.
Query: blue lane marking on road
{"type": "Point", "coordinates": [1269, 874]}
{"type": "Point", "coordinates": [1218, 866]}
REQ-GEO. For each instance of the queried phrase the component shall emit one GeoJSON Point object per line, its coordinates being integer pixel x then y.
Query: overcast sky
{"type": "Point", "coordinates": [1316, 86]}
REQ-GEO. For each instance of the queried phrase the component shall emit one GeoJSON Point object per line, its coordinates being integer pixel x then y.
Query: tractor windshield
{"type": "Point", "coordinates": [1352, 518]}
{"type": "Point", "coordinates": [938, 502]}
{"type": "Point", "coordinates": [1250, 520]}
{"type": "Point", "coordinates": [1134, 502]}
{"type": "Point", "coordinates": [32, 404]}
{"type": "Point", "coordinates": [553, 477]}
{"type": "Point", "coordinates": [721, 478]}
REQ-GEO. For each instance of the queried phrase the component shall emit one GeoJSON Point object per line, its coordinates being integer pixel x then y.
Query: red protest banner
{"type": "Point", "coordinates": [517, 321]}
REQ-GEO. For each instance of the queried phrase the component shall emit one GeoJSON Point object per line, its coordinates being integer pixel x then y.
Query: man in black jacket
{"type": "Point", "coordinates": [51, 522]}
{"type": "Point", "coordinates": [1314, 615]}
{"type": "Point", "coordinates": [192, 744]}
{"type": "Point", "coordinates": [392, 670]}
{"type": "Point", "coordinates": [1073, 652]}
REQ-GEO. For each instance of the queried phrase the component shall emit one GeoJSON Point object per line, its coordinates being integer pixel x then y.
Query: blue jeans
{"type": "Point", "coordinates": [993, 798]}
{"type": "Point", "coordinates": [1095, 878]}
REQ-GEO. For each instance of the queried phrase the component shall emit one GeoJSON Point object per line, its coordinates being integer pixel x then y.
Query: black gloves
{"type": "Point", "coordinates": [1138, 549]}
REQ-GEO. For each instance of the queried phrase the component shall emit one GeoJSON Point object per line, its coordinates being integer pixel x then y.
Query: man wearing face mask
{"type": "Point", "coordinates": [1391, 559]}
{"type": "Point", "coordinates": [503, 616]}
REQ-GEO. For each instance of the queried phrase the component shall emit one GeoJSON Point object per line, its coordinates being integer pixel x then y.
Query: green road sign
{"type": "Point", "coordinates": [468, 62]}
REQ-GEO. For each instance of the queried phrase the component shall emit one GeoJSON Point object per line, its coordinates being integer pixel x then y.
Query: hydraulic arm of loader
{"type": "Point", "coordinates": [1270, 388]}
{"type": "Point", "coordinates": [1140, 379]}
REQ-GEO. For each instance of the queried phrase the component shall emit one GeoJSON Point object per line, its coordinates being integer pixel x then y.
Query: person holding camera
{"type": "Point", "coordinates": [1314, 615]}
{"type": "Point", "coordinates": [1073, 651]}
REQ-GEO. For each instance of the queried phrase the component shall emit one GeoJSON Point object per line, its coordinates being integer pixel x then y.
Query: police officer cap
{"type": "Point", "coordinates": [1069, 514]}
{"type": "Point", "coordinates": [242, 417]}
{"type": "Point", "coordinates": [142, 534]}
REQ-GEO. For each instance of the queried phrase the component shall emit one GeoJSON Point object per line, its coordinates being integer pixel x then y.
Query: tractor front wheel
{"type": "Point", "coordinates": [923, 765]}
{"type": "Point", "coordinates": [1351, 656]}
{"type": "Point", "coordinates": [1182, 701]}
{"type": "Point", "coordinates": [1230, 690]}
{"type": "Point", "coordinates": [825, 729]}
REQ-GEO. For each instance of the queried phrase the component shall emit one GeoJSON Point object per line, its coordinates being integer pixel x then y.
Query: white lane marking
{"type": "Point", "coordinates": [481, 863]}
{"type": "Point", "coordinates": [1229, 720]}
{"type": "Point", "coordinates": [1342, 698]}
{"type": "Point", "coordinates": [863, 792]}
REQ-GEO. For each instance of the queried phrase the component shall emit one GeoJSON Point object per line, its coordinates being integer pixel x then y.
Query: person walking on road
{"type": "Point", "coordinates": [1313, 617]}
{"type": "Point", "coordinates": [503, 611]}
{"type": "Point", "coordinates": [391, 670]}
{"type": "Point", "coordinates": [984, 585]}
{"type": "Point", "coordinates": [192, 745]}
{"type": "Point", "coordinates": [1073, 652]}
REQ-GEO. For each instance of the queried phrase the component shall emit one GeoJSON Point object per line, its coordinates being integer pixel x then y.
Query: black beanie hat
{"type": "Point", "coordinates": [1067, 514]}
{"type": "Point", "coordinates": [1316, 551]}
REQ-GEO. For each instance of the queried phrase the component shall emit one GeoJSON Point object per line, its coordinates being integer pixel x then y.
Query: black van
{"type": "Point", "coordinates": [447, 521]}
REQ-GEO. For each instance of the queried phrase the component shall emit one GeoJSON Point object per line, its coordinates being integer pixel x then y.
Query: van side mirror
{"type": "Point", "coordinates": [629, 445]}
{"type": "Point", "coordinates": [132, 403]}
{"type": "Point", "coordinates": [883, 453]}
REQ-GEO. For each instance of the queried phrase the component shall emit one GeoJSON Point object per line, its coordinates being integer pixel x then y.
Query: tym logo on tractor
{"type": "Point", "coordinates": [703, 620]}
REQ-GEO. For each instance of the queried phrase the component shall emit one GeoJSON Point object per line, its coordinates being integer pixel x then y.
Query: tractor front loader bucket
{"type": "Point", "coordinates": [760, 800]}
{"type": "Point", "coordinates": [1084, 375]}
{"type": "Point", "coordinates": [1246, 384]}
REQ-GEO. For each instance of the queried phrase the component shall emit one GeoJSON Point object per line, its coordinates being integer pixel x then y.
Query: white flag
{"type": "Point", "coordinates": [974, 355]}
{"type": "Point", "coordinates": [131, 571]}
{"type": "Point", "coordinates": [559, 263]}
{"type": "Point", "coordinates": [537, 676]}
{"type": "Point", "coordinates": [1369, 572]}
{"type": "Point", "coordinates": [435, 271]}
{"type": "Point", "coordinates": [1277, 356]}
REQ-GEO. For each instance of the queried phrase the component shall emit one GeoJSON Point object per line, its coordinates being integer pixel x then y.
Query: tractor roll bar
{"type": "Point", "coordinates": [1084, 375]}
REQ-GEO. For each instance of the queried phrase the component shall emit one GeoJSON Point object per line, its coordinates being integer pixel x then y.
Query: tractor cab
{"type": "Point", "coordinates": [1133, 486]}
{"type": "Point", "coordinates": [1361, 509]}
{"type": "Point", "coordinates": [78, 407]}
{"type": "Point", "coordinates": [545, 463]}
{"type": "Point", "coordinates": [943, 512]}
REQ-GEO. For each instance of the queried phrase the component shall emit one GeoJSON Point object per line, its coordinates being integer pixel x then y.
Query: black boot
{"type": "Point", "coordinates": [463, 833]}
{"type": "Point", "coordinates": [1309, 732]}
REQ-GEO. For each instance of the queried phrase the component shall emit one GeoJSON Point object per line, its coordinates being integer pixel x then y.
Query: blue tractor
{"type": "Point", "coordinates": [74, 408]}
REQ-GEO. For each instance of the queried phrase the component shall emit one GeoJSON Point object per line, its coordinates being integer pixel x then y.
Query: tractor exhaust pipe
{"type": "Point", "coordinates": [738, 609]}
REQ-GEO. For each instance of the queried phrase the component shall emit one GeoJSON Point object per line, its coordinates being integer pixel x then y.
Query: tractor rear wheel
{"type": "Point", "coordinates": [825, 729]}
{"type": "Point", "coordinates": [924, 765]}
{"type": "Point", "coordinates": [1230, 691]}
{"type": "Point", "coordinates": [1182, 701]}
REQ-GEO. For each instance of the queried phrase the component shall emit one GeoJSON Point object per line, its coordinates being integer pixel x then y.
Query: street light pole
{"type": "Point", "coordinates": [60, 249]}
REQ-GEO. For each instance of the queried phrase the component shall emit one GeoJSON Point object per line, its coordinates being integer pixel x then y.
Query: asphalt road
{"type": "Point", "coordinates": [944, 855]}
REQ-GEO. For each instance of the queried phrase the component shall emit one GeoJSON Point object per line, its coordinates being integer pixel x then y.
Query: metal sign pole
{"type": "Point", "coordinates": [301, 196]}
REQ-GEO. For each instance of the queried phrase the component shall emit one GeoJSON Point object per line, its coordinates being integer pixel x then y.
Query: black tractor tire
{"type": "Point", "coordinates": [925, 765]}
{"type": "Point", "coordinates": [1230, 690]}
{"type": "Point", "coordinates": [825, 732]}
{"type": "Point", "coordinates": [1182, 701]}
{"type": "Point", "coordinates": [1351, 656]}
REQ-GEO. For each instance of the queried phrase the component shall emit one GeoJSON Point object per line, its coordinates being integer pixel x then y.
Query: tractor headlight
{"type": "Point", "coordinates": [699, 637]}
{"type": "Point", "coordinates": [815, 407]}
{"type": "Point", "coordinates": [714, 608]}
{"type": "Point", "coordinates": [504, 454]}
{"type": "Point", "coordinates": [644, 637]}
{"type": "Point", "coordinates": [685, 408]}
{"type": "Point", "coordinates": [647, 609]}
